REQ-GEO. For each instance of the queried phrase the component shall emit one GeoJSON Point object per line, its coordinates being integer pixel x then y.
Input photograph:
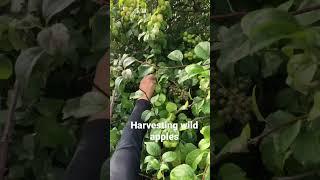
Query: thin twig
{"type": "Point", "coordinates": [298, 176]}
{"type": "Point", "coordinates": [243, 13]}
{"type": "Point", "coordinates": [257, 139]}
{"type": "Point", "coordinates": [148, 177]}
{"type": "Point", "coordinates": [7, 132]}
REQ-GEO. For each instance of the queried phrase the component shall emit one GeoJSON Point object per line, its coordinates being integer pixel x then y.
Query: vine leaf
{"type": "Point", "coordinates": [25, 63]}
{"type": "Point", "coordinates": [153, 148]}
{"type": "Point", "coordinates": [231, 171]}
{"type": "Point", "coordinates": [52, 7]}
{"type": "Point", "coordinates": [176, 55]}
{"type": "Point", "coordinates": [194, 158]}
{"type": "Point", "coordinates": [238, 144]}
{"type": "Point", "coordinates": [202, 50]}
{"type": "Point", "coordinates": [266, 26]}
{"type": "Point", "coordinates": [169, 156]}
{"type": "Point", "coordinates": [54, 39]}
{"type": "Point", "coordinates": [5, 67]}
{"type": "Point", "coordinates": [307, 141]}
{"type": "Point", "coordinates": [182, 171]}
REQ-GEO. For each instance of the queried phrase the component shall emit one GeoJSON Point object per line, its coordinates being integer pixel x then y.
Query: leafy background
{"type": "Point", "coordinates": [266, 108]}
{"type": "Point", "coordinates": [171, 40]}
{"type": "Point", "coordinates": [50, 49]}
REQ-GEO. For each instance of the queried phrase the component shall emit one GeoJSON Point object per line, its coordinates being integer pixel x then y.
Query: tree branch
{"type": "Point", "coordinates": [7, 132]}
{"type": "Point", "coordinates": [257, 139]}
{"type": "Point", "coordinates": [243, 13]}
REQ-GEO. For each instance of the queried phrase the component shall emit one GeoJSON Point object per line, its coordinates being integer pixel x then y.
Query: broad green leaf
{"type": "Point", "coordinates": [118, 82]}
{"type": "Point", "coordinates": [184, 107]}
{"type": "Point", "coordinates": [51, 8]}
{"type": "Point", "coordinates": [301, 70]}
{"type": "Point", "coordinates": [271, 64]}
{"type": "Point", "coordinates": [286, 5]}
{"type": "Point", "coordinates": [128, 61]}
{"type": "Point", "coordinates": [202, 50]}
{"type": "Point", "coordinates": [169, 156]}
{"type": "Point", "coordinates": [255, 107]}
{"type": "Point", "coordinates": [182, 172]}
{"type": "Point", "coordinates": [306, 148]}
{"type": "Point", "coordinates": [171, 107]}
{"type": "Point", "coordinates": [153, 164]}
{"type": "Point", "coordinates": [194, 158]}
{"type": "Point", "coordinates": [194, 69]}
{"type": "Point", "coordinates": [285, 136]}
{"type": "Point", "coordinates": [176, 55]}
{"type": "Point", "coordinates": [145, 69]}
{"type": "Point", "coordinates": [239, 144]}
{"type": "Point", "coordinates": [184, 149]}
{"type": "Point", "coordinates": [91, 103]}
{"type": "Point", "coordinates": [205, 131]}
{"type": "Point", "coordinates": [71, 107]}
{"type": "Point", "coordinates": [145, 116]}
{"type": "Point", "coordinates": [25, 63]}
{"type": "Point", "coordinates": [231, 171]}
{"type": "Point", "coordinates": [153, 148]}
{"type": "Point", "coordinates": [147, 159]}
{"type": "Point", "coordinates": [16, 38]}
{"type": "Point", "coordinates": [235, 46]}
{"type": "Point", "coordinates": [5, 67]}
{"type": "Point", "coordinates": [55, 39]}
{"type": "Point", "coordinates": [204, 144]}
{"type": "Point", "coordinates": [267, 26]}
{"type": "Point", "coordinates": [315, 111]}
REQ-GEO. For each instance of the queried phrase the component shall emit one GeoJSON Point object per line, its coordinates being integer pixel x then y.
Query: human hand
{"type": "Point", "coordinates": [147, 85]}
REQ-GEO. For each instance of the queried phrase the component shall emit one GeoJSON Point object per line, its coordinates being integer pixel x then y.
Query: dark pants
{"type": "Point", "coordinates": [125, 161]}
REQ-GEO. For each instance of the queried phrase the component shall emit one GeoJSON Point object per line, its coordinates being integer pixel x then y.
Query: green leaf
{"type": "Point", "coordinates": [266, 26]}
{"type": "Point", "coordinates": [71, 107]}
{"type": "Point", "coordinates": [16, 38]}
{"type": "Point", "coordinates": [239, 144]}
{"type": "Point", "coordinates": [128, 61]}
{"type": "Point", "coordinates": [272, 159]}
{"type": "Point", "coordinates": [147, 159]}
{"type": "Point", "coordinates": [182, 172]}
{"type": "Point", "coordinates": [176, 55]}
{"type": "Point", "coordinates": [169, 156]}
{"type": "Point", "coordinates": [235, 46]}
{"type": "Point", "coordinates": [205, 131]}
{"type": "Point", "coordinates": [271, 64]}
{"type": "Point", "coordinates": [171, 107]}
{"type": "Point", "coordinates": [184, 150]}
{"type": "Point", "coordinates": [55, 39]}
{"type": "Point", "coordinates": [286, 5]}
{"type": "Point", "coordinates": [315, 111]}
{"type": "Point", "coordinates": [255, 107]}
{"type": "Point", "coordinates": [306, 148]}
{"type": "Point", "coordinates": [204, 144]}
{"type": "Point", "coordinates": [25, 63]}
{"type": "Point", "coordinates": [194, 69]}
{"type": "Point", "coordinates": [202, 50]}
{"type": "Point", "coordinates": [153, 164]}
{"type": "Point", "coordinates": [91, 103]}
{"type": "Point", "coordinates": [5, 67]}
{"type": "Point", "coordinates": [145, 116]}
{"type": "Point", "coordinates": [194, 158]}
{"type": "Point", "coordinates": [145, 69]}
{"type": "Point", "coordinates": [231, 171]}
{"type": "Point", "coordinates": [49, 107]}
{"type": "Point", "coordinates": [301, 70]}
{"type": "Point", "coordinates": [153, 148]}
{"type": "Point", "coordinates": [51, 8]}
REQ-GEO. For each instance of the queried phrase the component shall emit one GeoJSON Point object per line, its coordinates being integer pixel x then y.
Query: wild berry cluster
{"type": "Point", "coordinates": [233, 103]}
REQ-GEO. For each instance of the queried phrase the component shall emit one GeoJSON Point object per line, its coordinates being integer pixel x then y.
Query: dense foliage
{"type": "Point", "coordinates": [50, 48]}
{"type": "Point", "coordinates": [171, 40]}
{"type": "Point", "coordinates": [267, 112]}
